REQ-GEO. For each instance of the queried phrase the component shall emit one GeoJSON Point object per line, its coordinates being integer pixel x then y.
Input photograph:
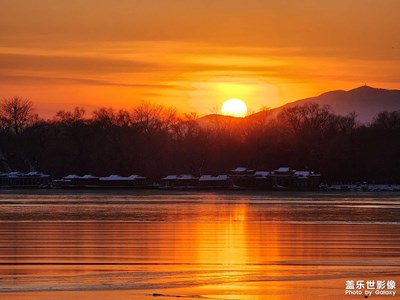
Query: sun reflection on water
{"type": "Point", "coordinates": [220, 246]}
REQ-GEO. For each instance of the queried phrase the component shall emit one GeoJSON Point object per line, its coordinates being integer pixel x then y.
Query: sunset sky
{"type": "Point", "coordinates": [193, 54]}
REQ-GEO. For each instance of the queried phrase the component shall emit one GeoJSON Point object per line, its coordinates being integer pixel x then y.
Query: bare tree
{"type": "Point", "coordinates": [16, 114]}
{"type": "Point", "coordinates": [309, 118]}
{"type": "Point", "coordinates": [70, 118]}
{"type": "Point", "coordinates": [154, 118]}
{"type": "Point", "coordinates": [109, 117]}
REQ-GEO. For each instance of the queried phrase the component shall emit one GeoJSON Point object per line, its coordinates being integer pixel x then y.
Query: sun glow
{"type": "Point", "coordinates": [234, 107]}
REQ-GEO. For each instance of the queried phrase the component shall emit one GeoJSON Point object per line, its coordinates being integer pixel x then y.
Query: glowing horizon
{"type": "Point", "coordinates": [192, 56]}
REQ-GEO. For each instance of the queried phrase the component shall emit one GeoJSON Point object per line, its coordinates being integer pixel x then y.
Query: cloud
{"type": "Point", "coordinates": [73, 64]}
{"type": "Point", "coordinates": [35, 80]}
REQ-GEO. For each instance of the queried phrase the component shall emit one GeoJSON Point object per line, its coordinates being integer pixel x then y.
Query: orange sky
{"type": "Point", "coordinates": [193, 54]}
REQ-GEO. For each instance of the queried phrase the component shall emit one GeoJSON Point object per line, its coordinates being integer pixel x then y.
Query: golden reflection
{"type": "Point", "coordinates": [239, 249]}
{"type": "Point", "coordinates": [222, 247]}
{"type": "Point", "coordinates": [217, 247]}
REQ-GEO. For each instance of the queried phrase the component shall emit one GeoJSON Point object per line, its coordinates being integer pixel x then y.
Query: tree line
{"type": "Point", "coordinates": [154, 140]}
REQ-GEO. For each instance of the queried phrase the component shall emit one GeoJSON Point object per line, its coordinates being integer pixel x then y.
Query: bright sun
{"type": "Point", "coordinates": [234, 107]}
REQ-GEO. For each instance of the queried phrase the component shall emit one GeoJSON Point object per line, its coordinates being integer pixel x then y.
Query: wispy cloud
{"type": "Point", "coordinates": [19, 62]}
{"type": "Point", "coordinates": [34, 80]}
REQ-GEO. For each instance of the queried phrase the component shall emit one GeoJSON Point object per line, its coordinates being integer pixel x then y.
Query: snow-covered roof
{"type": "Point", "coordinates": [8, 175]}
{"type": "Point", "coordinates": [118, 177]}
{"type": "Point", "coordinates": [186, 177]}
{"type": "Point", "coordinates": [19, 174]}
{"type": "Point", "coordinates": [71, 176]}
{"type": "Point", "coordinates": [239, 170]}
{"type": "Point", "coordinates": [179, 177]}
{"type": "Point", "coordinates": [261, 173]}
{"type": "Point", "coordinates": [213, 178]}
{"type": "Point", "coordinates": [36, 174]}
{"type": "Point", "coordinates": [33, 173]}
{"type": "Point", "coordinates": [135, 177]}
{"type": "Point", "coordinates": [302, 173]}
{"type": "Point", "coordinates": [88, 176]}
{"type": "Point", "coordinates": [113, 177]}
{"type": "Point", "coordinates": [170, 177]}
{"type": "Point", "coordinates": [13, 174]}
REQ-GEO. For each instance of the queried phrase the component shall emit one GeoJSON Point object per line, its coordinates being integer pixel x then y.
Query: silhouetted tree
{"type": "Point", "coordinates": [108, 117]}
{"type": "Point", "coordinates": [153, 118]}
{"type": "Point", "coordinates": [16, 114]}
{"type": "Point", "coordinates": [70, 118]}
{"type": "Point", "coordinates": [153, 140]}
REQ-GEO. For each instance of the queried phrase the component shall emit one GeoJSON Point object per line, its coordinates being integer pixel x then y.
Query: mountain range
{"type": "Point", "coordinates": [365, 101]}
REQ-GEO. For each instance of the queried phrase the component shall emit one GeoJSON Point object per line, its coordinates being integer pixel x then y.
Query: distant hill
{"type": "Point", "coordinates": [216, 120]}
{"type": "Point", "coordinates": [365, 101]}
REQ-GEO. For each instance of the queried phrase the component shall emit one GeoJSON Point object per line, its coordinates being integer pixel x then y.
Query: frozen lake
{"type": "Point", "coordinates": [164, 245]}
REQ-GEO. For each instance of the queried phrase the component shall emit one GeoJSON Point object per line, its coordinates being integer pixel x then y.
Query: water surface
{"type": "Point", "coordinates": [161, 245]}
